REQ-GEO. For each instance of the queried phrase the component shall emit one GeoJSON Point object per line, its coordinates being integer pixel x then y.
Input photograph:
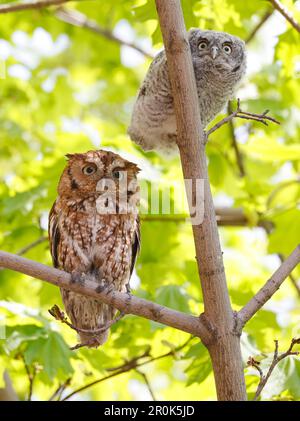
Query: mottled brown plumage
{"type": "Point", "coordinates": [94, 230]}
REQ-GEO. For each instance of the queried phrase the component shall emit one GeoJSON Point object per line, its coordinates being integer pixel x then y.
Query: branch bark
{"type": "Point", "coordinates": [285, 13]}
{"type": "Point", "coordinates": [225, 351]}
{"type": "Point", "coordinates": [18, 7]}
{"type": "Point", "coordinates": [270, 287]}
{"type": "Point", "coordinates": [127, 303]}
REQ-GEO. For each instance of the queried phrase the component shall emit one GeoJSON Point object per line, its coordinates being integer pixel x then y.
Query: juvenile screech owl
{"type": "Point", "coordinates": [94, 230]}
{"type": "Point", "coordinates": [219, 61]}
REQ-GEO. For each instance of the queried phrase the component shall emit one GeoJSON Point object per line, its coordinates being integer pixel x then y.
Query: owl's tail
{"type": "Point", "coordinates": [93, 341]}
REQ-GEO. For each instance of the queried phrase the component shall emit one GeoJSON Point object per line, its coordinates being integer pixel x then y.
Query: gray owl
{"type": "Point", "coordinates": [219, 61]}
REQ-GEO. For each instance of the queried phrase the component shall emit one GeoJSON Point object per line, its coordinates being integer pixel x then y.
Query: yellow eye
{"type": "Point", "coordinates": [227, 49]}
{"type": "Point", "coordinates": [119, 175]}
{"type": "Point", "coordinates": [202, 45]}
{"type": "Point", "coordinates": [89, 169]}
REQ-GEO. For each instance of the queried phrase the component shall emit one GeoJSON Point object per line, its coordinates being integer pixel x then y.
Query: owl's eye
{"type": "Point", "coordinates": [119, 175]}
{"type": "Point", "coordinates": [89, 169]}
{"type": "Point", "coordinates": [227, 49]}
{"type": "Point", "coordinates": [202, 45]}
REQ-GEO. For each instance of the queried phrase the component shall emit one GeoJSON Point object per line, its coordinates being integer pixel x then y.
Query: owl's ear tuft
{"type": "Point", "coordinates": [69, 156]}
{"type": "Point", "coordinates": [193, 33]}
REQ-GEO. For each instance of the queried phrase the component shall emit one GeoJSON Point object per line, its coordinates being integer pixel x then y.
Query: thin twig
{"type": "Point", "coordinates": [58, 392]}
{"type": "Point", "coordinates": [147, 383]}
{"type": "Point", "coordinates": [30, 246]}
{"type": "Point", "coordinates": [294, 281]}
{"type": "Point", "coordinates": [270, 287]}
{"type": "Point", "coordinates": [127, 366]}
{"type": "Point", "coordinates": [238, 113]}
{"type": "Point", "coordinates": [18, 7]}
{"type": "Point", "coordinates": [31, 377]}
{"type": "Point", "coordinates": [238, 155]}
{"type": "Point", "coordinates": [276, 359]}
{"type": "Point", "coordinates": [79, 19]}
{"type": "Point", "coordinates": [263, 20]}
{"type": "Point", "coordinates": [285, 13]}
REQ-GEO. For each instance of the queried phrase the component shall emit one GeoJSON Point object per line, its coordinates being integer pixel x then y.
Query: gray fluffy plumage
{"type": "Point", "coordinates": [219, 61]}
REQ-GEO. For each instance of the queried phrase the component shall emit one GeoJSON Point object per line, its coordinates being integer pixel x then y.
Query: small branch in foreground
{"type": "Point", "coordinates": [134, 363]}
{"type": "Point", "coordinates": [238, 155]}
{"type": "Point", "coordinates": [263, 20]}
{"type": "Point", "coordinates": [79, 19]}
{"type": "Point", "coordinates": [285, 13]}
{"type": "Point", "coordinates": [294, 281]}
{"type": "Point", "coordinates": [30, 376]}
{"type": "Point", "coordinates": [238, 113]}
{"type": "Point", "coordinates": [270, 287]}
{"type": "Point", "coordinates": [276, 359]}
{"type": "Point", "coordinates": [30, 246]}
{"type": "Point", "coordinates": [149, 387]}
{"type": "Point", "coordinates": [59, 391]}
{"type": "Point", "coordinates": [18, 7]}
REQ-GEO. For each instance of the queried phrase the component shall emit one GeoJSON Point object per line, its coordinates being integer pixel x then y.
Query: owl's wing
{"type": "Point", "coordinates": [136, 245]}
{"type": "Point", "coordinates": [54, 235]}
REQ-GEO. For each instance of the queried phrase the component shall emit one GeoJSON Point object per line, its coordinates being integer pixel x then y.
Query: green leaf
{"type": "Point", "coordinates": [53, 354]}
{"type": "Point", "coordinates": [174, 297]}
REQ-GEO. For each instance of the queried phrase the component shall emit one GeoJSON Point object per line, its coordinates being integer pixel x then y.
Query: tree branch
{"type": "Point", "coordinates": [285, 13]}
{"type": "Point", "coordinates": [276, 359]}
{"type": "Point", "coordinates": [132, 364]}
{"type": "Point", "coordinates": [238, 155]}
{"type": "Point", "coordinates": [79, 19]}
{"type": "Point", "coordinates": [126, 303]}
{"type": "Point", "coordinates": [270, 287]}
{"type": "Point", "coordinates": [238, 113]}
{"type": "Point", "coordinates": [263, 20]}
{"type": "Point", "coordinates": [18, 7]}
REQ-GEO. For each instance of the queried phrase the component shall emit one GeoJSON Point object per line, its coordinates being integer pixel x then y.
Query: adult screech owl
{"type": "Point", "coordinates": [94, 230]}
{"type": "Point", "coordinates": [219, 61]}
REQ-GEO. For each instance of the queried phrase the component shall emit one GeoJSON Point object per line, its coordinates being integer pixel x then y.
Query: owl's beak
{"type": "Point", "coordinates": [214, 51]}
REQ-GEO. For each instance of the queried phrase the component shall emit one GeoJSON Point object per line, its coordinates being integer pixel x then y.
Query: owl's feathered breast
{"type": "Point", "coordinates": [84, 241]}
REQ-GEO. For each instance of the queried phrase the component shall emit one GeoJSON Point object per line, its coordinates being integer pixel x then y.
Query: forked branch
{"type": "Point", "coordinates": [239, 113]}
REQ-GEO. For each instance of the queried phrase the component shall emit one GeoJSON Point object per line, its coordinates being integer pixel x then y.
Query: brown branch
{"type": "Point", "coordinates": [270, 287]}
{"type": "Point", "coordinates": [126, 303]}
{"type": "Point", "coordinates": [31, 377]}
{"type": "Point", "coordinates": [285, 13]}
{"type": "Point", "coordinates": [149, 387]}
{"type": "Point", "coordinates": [30, 246]}
{"type": "Point", "coordinates": [132, 364]}
{"type": "Point", "coordinates": [79, 19]}
{"type": "Point", "coordinates": [276, 359]}
{"type": "Point", "coordinates": [238, 113]}
{"type": "Point", "coordinates": [18, 7]}
{"type": "Point", "coordinates": [58, 392]}
{"type": "Point", "coordinates": [263, 20]}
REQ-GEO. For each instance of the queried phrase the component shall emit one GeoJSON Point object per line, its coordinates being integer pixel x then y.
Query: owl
{"type": "Point", "coordinates": [94, 231]}
{"type": "Point", "coordinates": [219, 61]}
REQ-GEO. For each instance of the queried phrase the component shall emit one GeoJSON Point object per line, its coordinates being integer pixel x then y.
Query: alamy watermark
{"type": "Point", "coordinates": [123, 196]}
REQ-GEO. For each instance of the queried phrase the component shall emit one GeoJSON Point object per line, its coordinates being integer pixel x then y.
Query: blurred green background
{"type": "Point", "coordinates": [68, 85]}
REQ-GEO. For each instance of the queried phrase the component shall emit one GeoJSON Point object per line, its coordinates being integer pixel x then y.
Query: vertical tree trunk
{"type": "Point", "coordinates": [225, 348]}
